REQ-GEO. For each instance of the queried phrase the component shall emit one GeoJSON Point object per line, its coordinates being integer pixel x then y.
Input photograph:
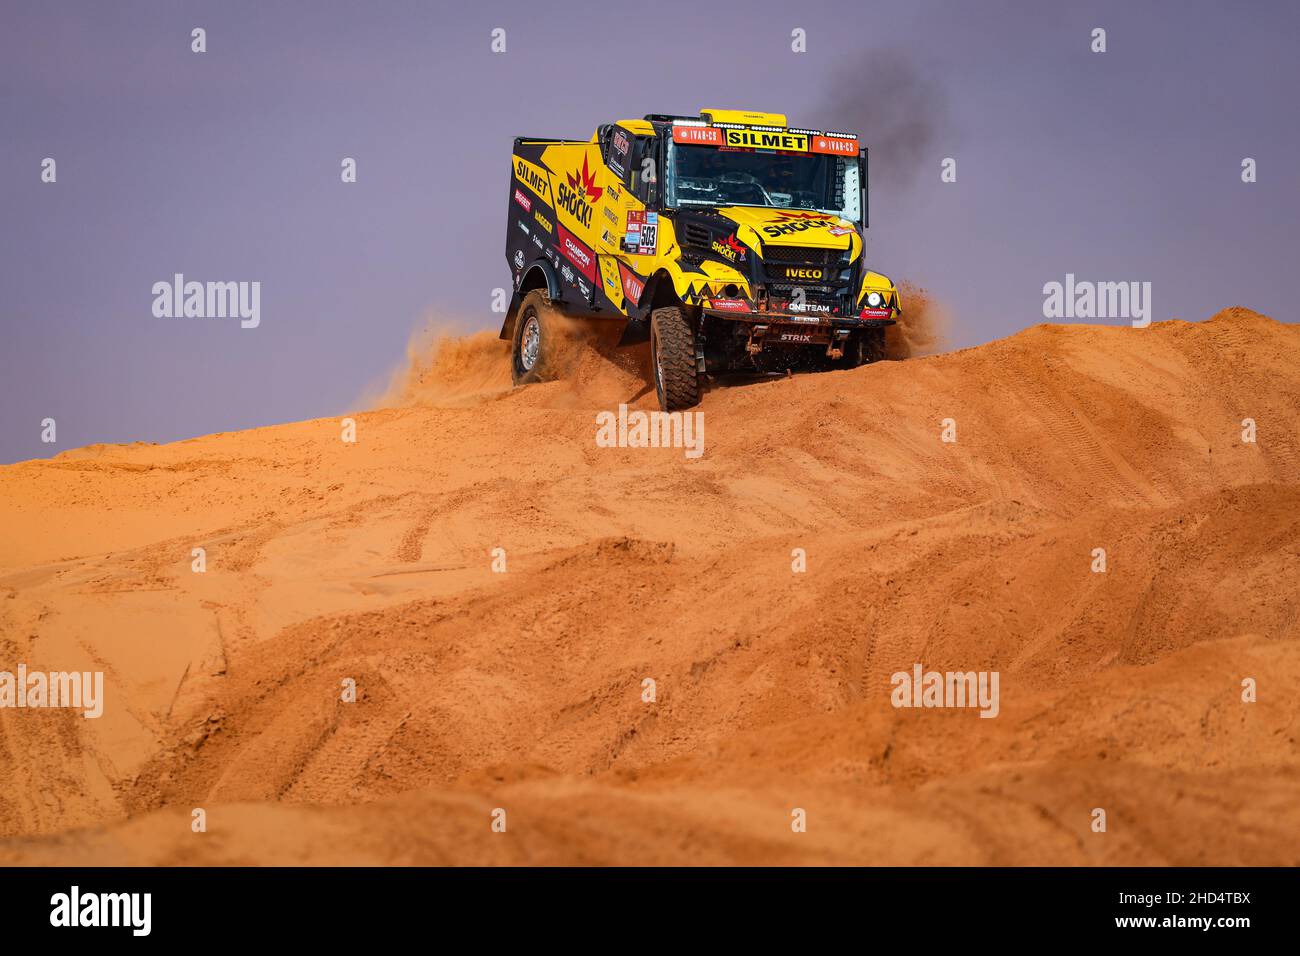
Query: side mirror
{"type": "Point", "coordinates": [862, 183]}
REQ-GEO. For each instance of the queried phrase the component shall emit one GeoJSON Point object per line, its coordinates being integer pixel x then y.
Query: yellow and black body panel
{"type": "Point", "coordinates": [572, 216]}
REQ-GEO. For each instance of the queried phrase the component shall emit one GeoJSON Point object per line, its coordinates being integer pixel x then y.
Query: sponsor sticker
{"type": "Point", "coordinates": [609, 275]}
{"type": "Point", "coordinates": [642, 233]}
{"type": "Point", "coordinates": [789, 223]}
{"type": "Point", "coordinates": [535, 178]}
{"type": "Point", "coordinates": [542, 220]}
{"type": "Point", "coordinates": [523, 200]}
{"type": "Point", "coordinates": [578, 193]}
{"type": "Point", "coordinates": [802, 272]}
{"type": "Point", "coordinates": [729, 305]}
{"type": "Point", "coordinates": [756, 139]}
{"type": "Point", "coordinates": [577, 252]}
{"type": "Point", "coordinates": [633, 285]}
{"type": "Point", "coordinates": [765, 139]}
{"type": "Point", "coordinates": [618, 158]}
{"type": "Point", "coordinates": [519, 258]}
{"type": "Point", "coordinates": [698, 135]}
{"type": "Point", "coordinates": [730, 248]}
{"type": "Point", "coordinates": [834, 146]}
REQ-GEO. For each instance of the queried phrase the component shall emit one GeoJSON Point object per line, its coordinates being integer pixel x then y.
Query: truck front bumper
{"type": "Point", "coordinates": [868, 319]}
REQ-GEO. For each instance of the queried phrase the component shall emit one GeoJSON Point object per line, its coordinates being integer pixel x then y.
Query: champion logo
{"type": "Point", "coordinates": [577, 252]}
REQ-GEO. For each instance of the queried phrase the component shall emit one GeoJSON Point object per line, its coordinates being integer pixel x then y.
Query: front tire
{"type": "Point", "coordinates": [672, 353]}
{"type": "Point", "coordinates": [866, 347]}
{"type": "Point", "coordinates": [535, 342]}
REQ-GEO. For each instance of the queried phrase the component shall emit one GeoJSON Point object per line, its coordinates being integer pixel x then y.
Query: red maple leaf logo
{"type": "Point", "coordinates": [586, 181]}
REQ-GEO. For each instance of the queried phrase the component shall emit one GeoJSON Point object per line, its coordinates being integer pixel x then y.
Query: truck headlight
{"type": "Point", "coordinates": [875, 300]}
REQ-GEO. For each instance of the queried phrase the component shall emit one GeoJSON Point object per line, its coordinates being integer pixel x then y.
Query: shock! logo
{"type": "Point", "coordinates": [729, 248]}
{"type": "Point", "coordinates": [577, 194]}
{"type": "Point", "coordinates": [788, 223]}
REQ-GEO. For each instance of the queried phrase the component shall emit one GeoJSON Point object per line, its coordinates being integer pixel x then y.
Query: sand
{"type": "Point", "coordinates": [524, 691]}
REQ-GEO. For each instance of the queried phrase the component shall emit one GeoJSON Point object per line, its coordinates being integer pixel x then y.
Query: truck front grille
{"type": "Point", "coordinates": [694, 234]}
{"type": "Point", "coordinates": [786, 289]}
{"type": "Point", "coordinates": [795, 256]}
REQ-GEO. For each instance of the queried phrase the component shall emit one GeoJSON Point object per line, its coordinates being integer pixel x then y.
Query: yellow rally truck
{"type": "Point", "coordinates": [730, 240]}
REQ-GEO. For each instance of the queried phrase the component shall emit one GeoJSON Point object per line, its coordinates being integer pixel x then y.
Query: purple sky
{"type": "Point", "coordinates": [225, 166]}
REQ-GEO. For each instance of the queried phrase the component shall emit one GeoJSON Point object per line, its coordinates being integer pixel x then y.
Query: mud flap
{"type": "Point", "coordinates": [508, 326]}
{"type": "Point", "coordinates": [635, 332]}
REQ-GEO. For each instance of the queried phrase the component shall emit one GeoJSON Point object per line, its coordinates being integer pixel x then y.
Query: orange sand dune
{"type": "Point", "coordinates": [523, 690]}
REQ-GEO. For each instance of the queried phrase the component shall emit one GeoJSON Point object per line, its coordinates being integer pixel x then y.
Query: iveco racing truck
{"type": "Point", "coordinates": [729, 240]}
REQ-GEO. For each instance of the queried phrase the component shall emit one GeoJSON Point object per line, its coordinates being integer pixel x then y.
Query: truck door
{"type": "Point", "coordinates": [628, 227]}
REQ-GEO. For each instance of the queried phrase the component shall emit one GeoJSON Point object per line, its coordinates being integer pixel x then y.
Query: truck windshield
{"type": "Point", "coordinates": [719, 176]}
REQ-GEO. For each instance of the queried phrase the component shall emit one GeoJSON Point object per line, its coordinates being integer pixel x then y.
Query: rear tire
{"type": "Point", "coordinates": [534, 345]}
{"type": "Point", "coordinates": [672, 353]}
